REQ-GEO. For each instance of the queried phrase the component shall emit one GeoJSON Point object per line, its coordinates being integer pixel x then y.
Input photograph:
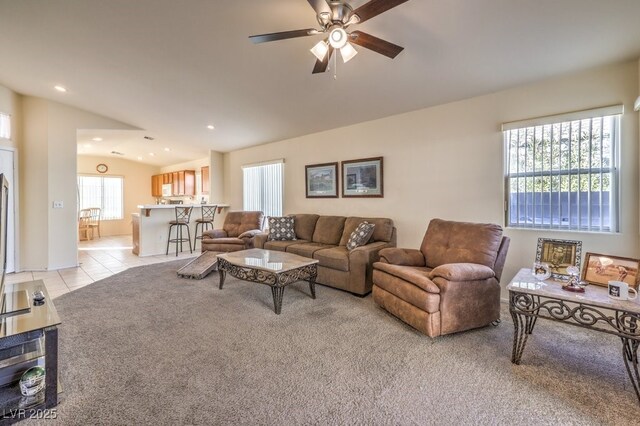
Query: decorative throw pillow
{"type": "Point", "coordinates": [281, 229]}
{"type": "Point", "coordinates": [361, 235]}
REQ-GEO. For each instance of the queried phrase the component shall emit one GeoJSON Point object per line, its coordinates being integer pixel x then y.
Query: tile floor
{"type": "Point", "coordinates": [98, 258]}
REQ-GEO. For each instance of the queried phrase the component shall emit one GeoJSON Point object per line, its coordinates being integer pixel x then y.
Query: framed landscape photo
{"type": "Point", "coordinates": [362, 178]}
{"type": "Point", "coordinates": [559, 254]}
{"type": "Point", "coordinates": [322, 180]}
{"type": "Point", "coordinates": [599, 269]}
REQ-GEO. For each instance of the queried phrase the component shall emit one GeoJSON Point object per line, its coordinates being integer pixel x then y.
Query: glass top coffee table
{"type": "Point", "coordinates": [274, 268]}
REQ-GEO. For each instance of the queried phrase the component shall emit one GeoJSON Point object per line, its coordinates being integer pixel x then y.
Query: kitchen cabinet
{"type": "Point", "coordinates": [156, 186]}
{"type": "Point", "coordinates": [183, 183]}
{"type": "Point", "coordinates": [204, 177]}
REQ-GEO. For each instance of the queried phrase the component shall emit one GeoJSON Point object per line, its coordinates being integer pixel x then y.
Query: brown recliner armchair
{"type": "Point", "coordinates": [451, 284]}
{"type": "Point", "coordinates": [237, 233]}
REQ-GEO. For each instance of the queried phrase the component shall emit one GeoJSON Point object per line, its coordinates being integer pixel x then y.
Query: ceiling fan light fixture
{"type": "Point", "coordinates": [348, 52]}
{"type": "Point", "coordinates": [320, 50]}
{"type": "Point", "coordinates": [338, 38]}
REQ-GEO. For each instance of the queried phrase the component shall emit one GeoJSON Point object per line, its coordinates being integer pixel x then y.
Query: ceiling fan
{"type": "Point", "coordinates": [334, 18]}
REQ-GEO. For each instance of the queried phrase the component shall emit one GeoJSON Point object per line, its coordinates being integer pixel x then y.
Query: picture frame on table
{"type": "Point", "coordinates": [363, 178]}
{"type": "Point", "coordinates": [559, 255]}
{"type": "Point", "coordinates": [599, 269]}
{"type": "Point", "coordinates": [321, 180]}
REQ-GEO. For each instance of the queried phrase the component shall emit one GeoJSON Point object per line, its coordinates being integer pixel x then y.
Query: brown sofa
{"type": "Point", "coordinates": [325, 238]}
{"type": "Point", "coordinates": [237, 233]}
{"type": "Point", "coordinates": [451, 284]}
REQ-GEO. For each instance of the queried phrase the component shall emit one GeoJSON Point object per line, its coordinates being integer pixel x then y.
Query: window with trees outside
{"type": "Point", "coordinates": [262, 187]}
{"type": "Point", "coordinates": [104, 192]}
{"type": "Point", "coordinates": [562, 171]}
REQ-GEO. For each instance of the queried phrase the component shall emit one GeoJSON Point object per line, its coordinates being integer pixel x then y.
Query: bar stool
{"type": "Point", "coordinates": [183, 215]}
{"type": "Point", "coordinates": [208, 214]}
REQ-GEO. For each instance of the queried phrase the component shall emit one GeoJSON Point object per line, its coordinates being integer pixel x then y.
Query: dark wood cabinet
{"type": "Point", "coordinates": [183, 183]}
{"type": "Point", "coordinates": [204, 178]}
{"type": "Point", "coordinates": [156, 186]}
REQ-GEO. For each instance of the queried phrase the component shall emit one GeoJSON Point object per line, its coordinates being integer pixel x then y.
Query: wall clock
{"type": "Point", "coordinates": [102, 168]}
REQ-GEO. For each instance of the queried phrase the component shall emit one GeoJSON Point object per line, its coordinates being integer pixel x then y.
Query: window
{"type": "Point", "coordinates": [562, 171]}
{"type": "Point", "coordinates": [105, 192]}
{"type": "Point", "coordinates": [263, 186]}
{"type": "Point", "coordinates": [5, 126]}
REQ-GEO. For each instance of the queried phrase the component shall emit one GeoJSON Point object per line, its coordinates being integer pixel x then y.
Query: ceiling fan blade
{"type": "Point", "coordinates": [321, 66]}
{"type": "Point", "coordinates": [375, 8]}
{"type": "Point", "coordinates": [376, 44]}
{"type": "Point", "coordinates": [320, 6]}
{"type": "Point", "coordinates": [261, 38]}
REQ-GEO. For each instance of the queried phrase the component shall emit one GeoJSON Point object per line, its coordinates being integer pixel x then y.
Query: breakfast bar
{"type": "Point", "coordinates": [151, 225]}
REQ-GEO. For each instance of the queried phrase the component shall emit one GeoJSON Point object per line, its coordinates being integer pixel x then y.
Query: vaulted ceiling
{"type": "Point", "coordinates": [173, 67]}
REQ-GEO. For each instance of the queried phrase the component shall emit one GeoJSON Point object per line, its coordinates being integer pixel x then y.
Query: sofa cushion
{"type": "Point", "coordinates": [281, 228]}
{"type": "Point", "coordinates": [329, 230]}
{"type": "Point", "coordinates": [235, 223]}
{"type": "Point", "coordinates": [304, 225]}
{"type": "Point", "coordinates": [281, 245]}
{"type": "Point", "coordinates": [461, 242]}
{"type": "Point", "coordinates": [382, 232]}
{"type": "Point", "coordinates": [334, 258]}
{"type": "Point", "coordinates": [361, 235]}
{"type": "Point", "coordinates": [307, 249]}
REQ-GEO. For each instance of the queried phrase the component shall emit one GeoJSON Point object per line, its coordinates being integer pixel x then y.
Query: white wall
{"type": "Point", "coordinates": [48, 173]}
{"type": "Point", "coordinates": [11, 103]}
{"type": "Point", "coordinates": [137, 187]}
{"type": "Point", "coordinates": [447, 161]}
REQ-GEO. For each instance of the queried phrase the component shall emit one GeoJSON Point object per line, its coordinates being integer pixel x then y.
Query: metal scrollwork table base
{"type": "Point", "coordinates": [275, 269]}
{"type": "Point", "coordinates": [530, 299]}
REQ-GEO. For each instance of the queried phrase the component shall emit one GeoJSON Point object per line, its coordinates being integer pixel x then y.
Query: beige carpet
{"type": "Point", "coordinates": [145, 347]}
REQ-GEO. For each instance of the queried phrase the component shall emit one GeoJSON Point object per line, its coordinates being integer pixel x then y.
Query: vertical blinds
{"type": "Point", "coordinates": [104, 192]}
{"type": "Point", "coordinates": [563, 174]}
{"type": "Point", "coordinates": [5, 126]}
{"type": "Point", "coordinates": [263, 187]}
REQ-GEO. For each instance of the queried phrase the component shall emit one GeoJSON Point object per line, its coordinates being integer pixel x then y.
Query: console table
{"type": "Point", "coordinates": [530, 299]}
{"type": "Point", "coordinates": [22, 338]}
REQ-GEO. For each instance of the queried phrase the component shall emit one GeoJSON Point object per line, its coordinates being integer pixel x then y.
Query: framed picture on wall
{"type": "Point", "coordinates": [599, 269]}
{"type": "Point", "coordinates": [322, 180]}
{"type": "Point", "coordinates": [362, 178]}
{"type": "Point", "coordinates": [559, 254]}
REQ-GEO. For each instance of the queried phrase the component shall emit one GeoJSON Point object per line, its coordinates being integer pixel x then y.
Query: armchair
{"type": "Point", "coordinates": [451, 284]}
{"type": "Point", "coordinates": [237, 233]}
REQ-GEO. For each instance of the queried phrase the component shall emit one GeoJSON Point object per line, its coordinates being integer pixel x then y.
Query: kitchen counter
{"type": "Point", "coordinates": [151, 226]}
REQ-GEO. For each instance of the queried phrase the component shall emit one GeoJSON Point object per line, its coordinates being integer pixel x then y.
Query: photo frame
{"type": "Point", "coordinates": [321, 180]}
{"type": "Point", "coordinates": [599, 269]}
{"type": "Point", "coordinates": [559, 254]}
{"type": "Point", "coordinates": [363, 178]}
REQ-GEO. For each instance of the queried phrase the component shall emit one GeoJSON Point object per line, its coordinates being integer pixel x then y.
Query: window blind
{"type": "Point", "coordinates": [105, 192]}
{"type": "Point", "coordinates": [263, 187]}
{"type": "Point", "coordinates": [563, 174]}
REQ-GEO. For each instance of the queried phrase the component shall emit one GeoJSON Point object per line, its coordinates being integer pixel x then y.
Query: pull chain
{"type": "Point", "coordinates": [335, 66]}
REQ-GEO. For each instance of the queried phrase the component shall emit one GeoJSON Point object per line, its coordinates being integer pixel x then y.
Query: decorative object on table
{"type": "Point", "coordinates": [281, 228]}
{"type": "Point", "coordinates": [599, 269]}
{"type": "Point", "coordinates": [574, 284]}
{"type": "Point", "coordinates": [361, 235]}
{"type": "Point", "coordinates": [38, 298]}
{"type": "Point", "coordinates": [32, 381]}
{"type": "Point", "coordinates": [559, 254]}
{"type": "Point", "coordinates": [619, 290]}
{"type": "Point", "coordinates": [363, 178]}
{"type": "Point", "coordinates": [102, 168]}
{"type": "Point", "coordinates": [322, 180]}
{"type": "Point", "coordinates": [541, 271]}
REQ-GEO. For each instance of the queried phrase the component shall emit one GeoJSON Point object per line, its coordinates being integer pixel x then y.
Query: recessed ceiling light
{"type": "Point", "coordinates": [97, 139]}
{"type": "Point", "coordinates": [210, 127]}
{"type": "Point", "coordinates": [151, 154]}
{"type": "Point", "coordinates": [60, 88]}
{"type": "Point", "coordinates": [167, 149]}
{"type": "Point", "coordinates": [87, 145]}
{"type": "Point", "coordinates": [139, 158]}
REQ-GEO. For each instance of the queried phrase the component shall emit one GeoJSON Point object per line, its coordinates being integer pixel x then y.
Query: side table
{"type": "Point", "coordinates": [530, 299]}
